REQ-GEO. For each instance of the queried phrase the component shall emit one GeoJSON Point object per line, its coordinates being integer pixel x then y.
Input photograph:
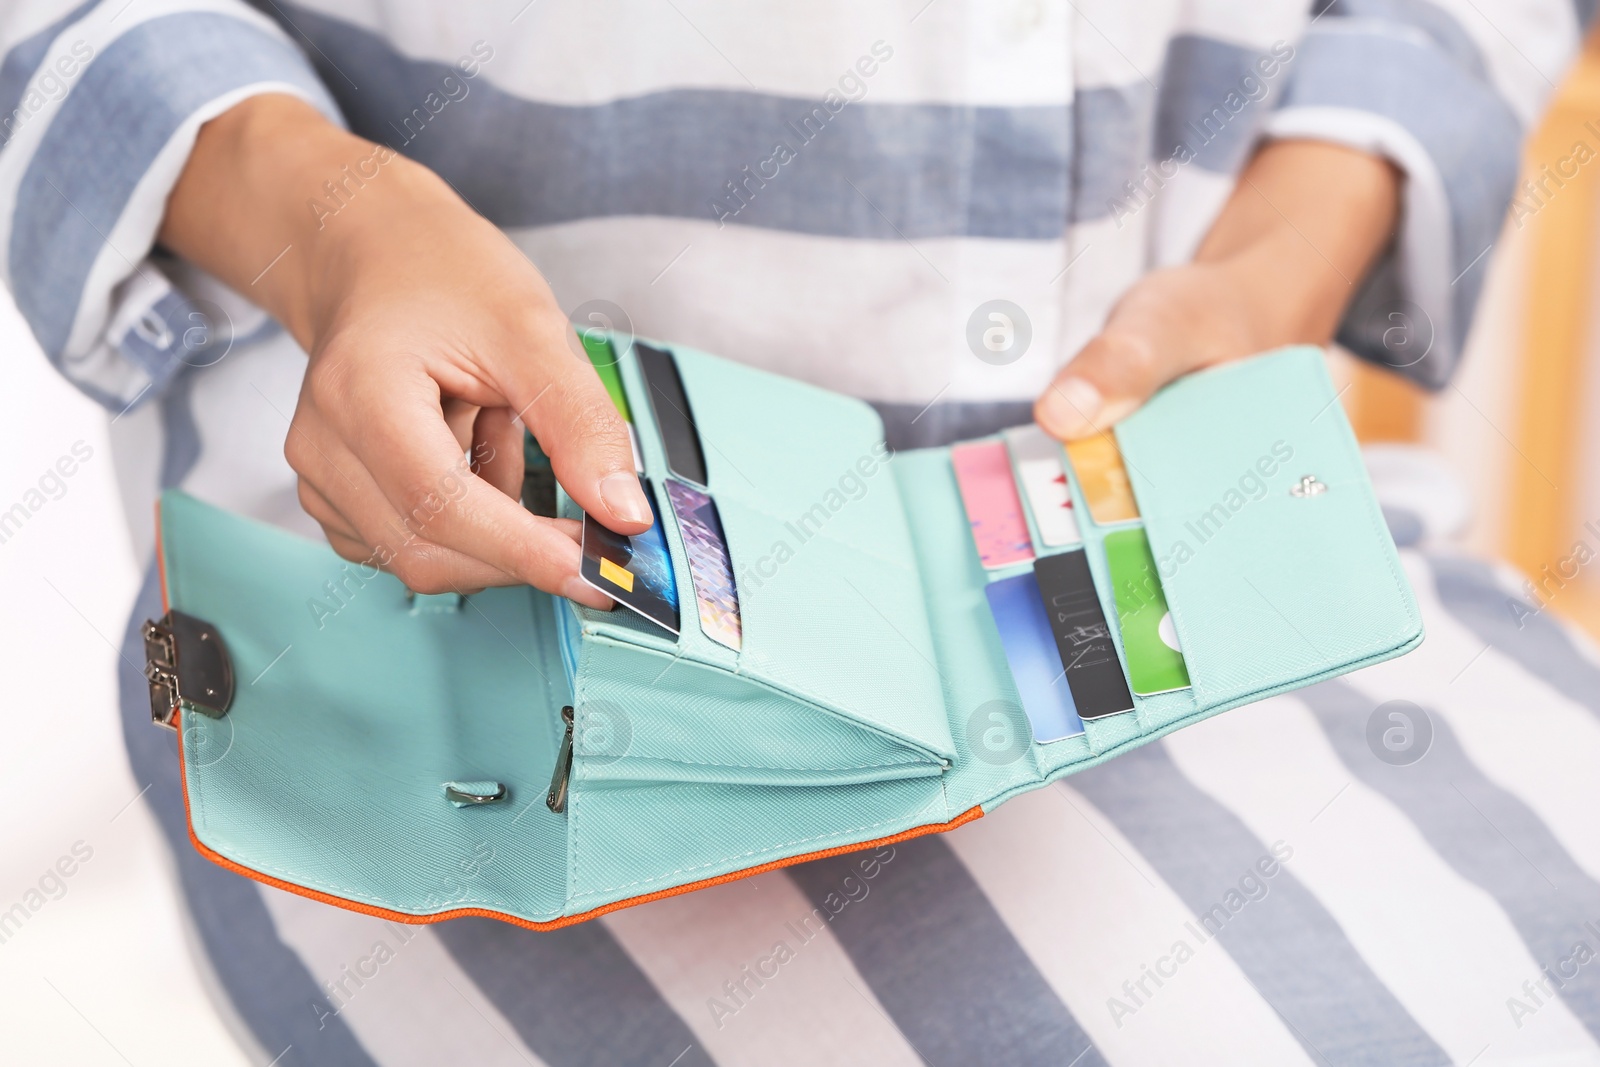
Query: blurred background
{"type": "Point", "coordinates": [1520, 426]}
{"type": "Point", "coordinates": [101, 972]}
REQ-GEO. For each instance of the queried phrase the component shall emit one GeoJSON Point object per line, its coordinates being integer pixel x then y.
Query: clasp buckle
{"type": "Point", "coordinates": [1307, 486]}
{"type": "Point", "coordinates": [185, 663]}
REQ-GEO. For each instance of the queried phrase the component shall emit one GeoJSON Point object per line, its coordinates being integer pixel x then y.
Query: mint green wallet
{"type": "Point", "coordinates": [393, 754]}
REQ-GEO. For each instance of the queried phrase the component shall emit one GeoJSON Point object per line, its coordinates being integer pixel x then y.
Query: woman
{"type": "Point", "coordinates": [355, 234]}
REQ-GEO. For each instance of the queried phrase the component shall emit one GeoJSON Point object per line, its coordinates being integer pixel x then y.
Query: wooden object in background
{"type": "Point", "coordinates": [1546, 488]}
{"type": "Point", "coordinates": [1383, 407]}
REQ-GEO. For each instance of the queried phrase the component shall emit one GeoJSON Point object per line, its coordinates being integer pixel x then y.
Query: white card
{"type": "Point", "coordinates": [1037, 459]}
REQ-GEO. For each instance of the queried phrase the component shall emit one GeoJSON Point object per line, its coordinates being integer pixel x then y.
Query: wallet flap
{"type": "Point", "coordinates": [1274, 556]}
{"type": "Point", "coordinates": [353, 712]}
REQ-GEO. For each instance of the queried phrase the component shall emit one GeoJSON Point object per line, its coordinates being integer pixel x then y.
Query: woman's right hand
{"type": "Point", "coordinates": [431, 337]}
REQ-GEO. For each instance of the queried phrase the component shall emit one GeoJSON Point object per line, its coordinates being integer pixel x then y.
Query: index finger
{"type": "Point", "coordinates": [424, 473]}
{"type": "Point", "coordinates": [559, 396]}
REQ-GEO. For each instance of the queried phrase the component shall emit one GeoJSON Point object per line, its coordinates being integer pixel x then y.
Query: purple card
{"type": "Point", "coordinates": [710, 566]}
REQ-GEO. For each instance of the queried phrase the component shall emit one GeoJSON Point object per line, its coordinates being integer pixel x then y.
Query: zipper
{"type": "Point", "coordinates": [556, 799]}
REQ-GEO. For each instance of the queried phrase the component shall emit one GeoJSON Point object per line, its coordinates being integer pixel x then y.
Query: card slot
{"type": "Point", "coordinates": [619, 623]}
{"type": "Point", "coordinates": [840, 628]}
{"type": "Point", "coordinates": [972, 656]}
{"type": "Point", "coordinates": [830, 597]}
{"type": "Point", "coordinates": [967, 646]}
{"type": "Point", "coordinates": [669, 718]}
{"type": "Point", "coordinates": [809, 456]}
{"type": "Point", "coordinates": [816, 590]}
{"type": "Point", "coordinates": [1100, 577]}
{"type": "Point", "coordinates": [1090, 543]}
{"type": "Point", "coordinates": [808, 607]}
{"type": "Point", "coordinates": [990, 577]}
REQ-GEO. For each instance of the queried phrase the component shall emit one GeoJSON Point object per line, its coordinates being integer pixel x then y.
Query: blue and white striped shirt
{"type": "Point", "coordinates": [825, 190]}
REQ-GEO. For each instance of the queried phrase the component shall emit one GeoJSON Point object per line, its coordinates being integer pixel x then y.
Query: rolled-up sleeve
{"type": "Point", "coordinates": [1445, 91]}
{"type": "Point", "coordinates": [99, 109]}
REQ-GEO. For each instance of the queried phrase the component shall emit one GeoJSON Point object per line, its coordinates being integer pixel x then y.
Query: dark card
{"type": "Point", "coordinates": [538, 479]}
{"type": "Point", "coordinates": [635, 571]}
{"type": "Point", "coordinates": [674, 422]}
{"type": "Point", "coordinates": [1082, 636]}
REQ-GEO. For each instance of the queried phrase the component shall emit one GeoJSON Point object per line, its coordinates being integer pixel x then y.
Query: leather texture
{"type": "Point", "coordinates": [861, 705]}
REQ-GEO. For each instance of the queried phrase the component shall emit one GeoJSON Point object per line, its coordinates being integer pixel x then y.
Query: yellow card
{"type": "Point", "coordinates": [617, 576]}
{"type": "Point", "coordinates": [1098, 464]}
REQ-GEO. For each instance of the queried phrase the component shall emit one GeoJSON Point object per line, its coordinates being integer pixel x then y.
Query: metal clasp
{"type": "Point", "coordinates": [185, 663]}
{"type": "Point", "coordinates": [1307, 486]}
{"type": "Point", "coordinates": [472, 794]}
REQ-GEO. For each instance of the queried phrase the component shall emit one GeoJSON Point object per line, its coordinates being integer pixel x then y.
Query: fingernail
{"type": "Point", "coordinates": [624, 498]}
{"type": "Point", "coordinates": [577, 589]}
{"type": "Point", "coordinates": [1070, 408]}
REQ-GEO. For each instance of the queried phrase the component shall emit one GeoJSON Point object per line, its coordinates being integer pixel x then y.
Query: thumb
{"type": "Point", "coordinates": [1104, 383]}
{"type": "Point", "coordinates": [574, 421]}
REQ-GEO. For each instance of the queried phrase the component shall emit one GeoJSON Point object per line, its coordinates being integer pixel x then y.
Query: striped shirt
{"type": "Point", "coordinates": [825, 190]}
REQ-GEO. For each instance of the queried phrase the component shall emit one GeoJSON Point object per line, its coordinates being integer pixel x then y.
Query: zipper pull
{"type": "Point", "coordinates": [556, 799]}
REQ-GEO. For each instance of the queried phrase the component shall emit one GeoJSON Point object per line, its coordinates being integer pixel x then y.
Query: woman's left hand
{"type": "Point", "coordinates": [1305, 222]}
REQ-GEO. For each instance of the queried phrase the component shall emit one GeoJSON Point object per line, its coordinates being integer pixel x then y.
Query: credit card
{"type": "Point", "coordinates": [604, 358]}
{"type": "Point", "coordinates": [1149, 639]}
{"type": "Point", "coordinates": [1031, 654]}
{"type": "Point", "coordinates": [680, 438]}
{"type": "Point", "coordinates": [1037, 457]}
{"type": "Point", "coordinates": [1088, 655]}
{"type": "Point", "coordinates": [1097, 461]}
{"type": "Point", "coordinates": [635, 571]}
{"type": "Point", "coordinates": [538, 479]}
{"type": "Point", "coordinates": [710, 566]}
{"type": "Point", "coordinates": [994, 511]}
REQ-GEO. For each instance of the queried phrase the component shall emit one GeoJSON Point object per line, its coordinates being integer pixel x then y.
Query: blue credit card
{"type": "Point", "coordinates": [1031, 653]}
{"type": "Point", "coordinates": [634, 571]}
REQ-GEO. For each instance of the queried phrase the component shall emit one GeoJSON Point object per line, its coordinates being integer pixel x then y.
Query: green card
{"type": "Point", "coordinates": [598, 346]}
{"type": "Point", "coordinates": [1150, 641]}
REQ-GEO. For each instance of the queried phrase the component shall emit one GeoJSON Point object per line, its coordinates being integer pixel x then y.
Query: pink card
{"type": "Point", "coordinates": [983, 473]}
